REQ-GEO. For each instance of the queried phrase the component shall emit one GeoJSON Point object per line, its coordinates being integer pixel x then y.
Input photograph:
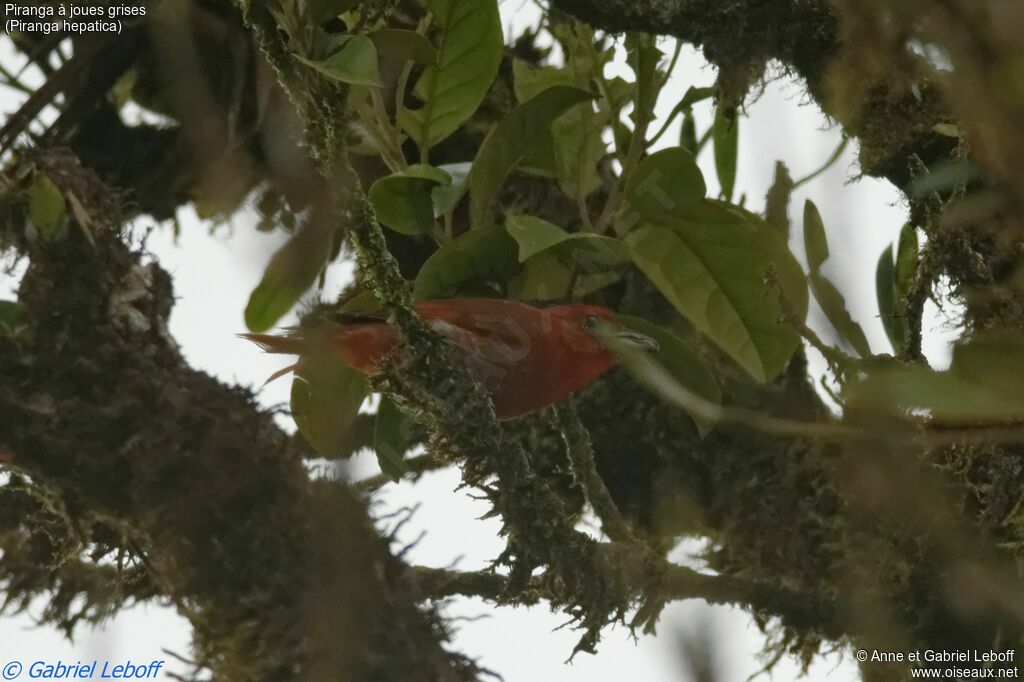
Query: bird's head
{"type": "Point", "coordinates": [594, 330]}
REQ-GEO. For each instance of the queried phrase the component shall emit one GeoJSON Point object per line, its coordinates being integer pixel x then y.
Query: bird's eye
{"type": "Point", "coordinates": [589, 323]}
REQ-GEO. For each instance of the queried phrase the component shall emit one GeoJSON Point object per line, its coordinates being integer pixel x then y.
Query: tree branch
{"type": "Point", "coordinates": [677, 583]}
{"type": "Point", "coordinates": [280, 577]}
{"type": "Point", "coordinates": [581, 453]}
{"type": "Point", "coordinates": [742, 37]}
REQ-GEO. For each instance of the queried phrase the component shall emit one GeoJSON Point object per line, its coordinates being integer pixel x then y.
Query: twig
{"type": "Point", "coordinates": [797, 609]}
{"type": "Point", "coordinates": [581, 454]}
{"type": "Point", "coordinates": [837, 359]}
{"type": "Point", "coordinates": [439, 583]}
{"type": "Point", "coordinates": [637, 146]}
{"type": "Point", "coordinates": [828, 164]}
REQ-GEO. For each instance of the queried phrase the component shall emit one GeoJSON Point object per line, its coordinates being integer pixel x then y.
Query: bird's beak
{"type": "Point", "coordinates": [632, 339]}
{"type": "Point", "coordinates": [620, 340]}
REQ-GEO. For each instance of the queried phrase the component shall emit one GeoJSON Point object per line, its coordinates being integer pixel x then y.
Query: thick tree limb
{"type": "Point", "coordinates": [281, 578]}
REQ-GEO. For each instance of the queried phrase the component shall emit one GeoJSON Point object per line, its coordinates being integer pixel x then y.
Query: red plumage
{"type": "Point", "coordinates": [527, 358]}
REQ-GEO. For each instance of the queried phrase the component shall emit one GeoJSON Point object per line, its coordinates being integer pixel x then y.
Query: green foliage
{"type": "Point", "coordinates": [886, 296]}
{"type": "Point", "coordinates": [467, 61]}
{"type": "Point", "coordinates": [326, 396]}
{"type": "Point", "coordinates": [828, 296]}
{"type": "Point", "coordinates": [404, 201]}
{"type": "Point", "coordinates": [644, 56]}
{"type": "Point", "coordinates": [559, 264]}
{"type": "Point", "coordinates": [350, 59]}
{"type": "Point", "coordinates": [403, 45]}
{"type": "Point", "coordinates": [667, 184]}
{"type": "Point", "coordinates": [292, 271]}
{"type": "Point", "coordinates": [447, 197]}
{"type": "Point", "coordinates": [573, 145]}
{"type": "Point", "coordinates": [591, 251]}
{"type": "Point", "coordinates": [725, 136]}
{"type": "Point", "coordinates": [510, 140]}
{"type": "Point", "coordinates": [46, 207]}
{"type": "Point", "coordinates": [712, 268]}
{"type": "Point", "coordinates": [696, 94]}
{"type": "Point", "coordinates": [688, 132]}
{"type": "Point", "coordinates": [392, 438]}
{"type": "Point", "coordinates": [982, 384]}
{"type": "Point", "coordinates": [528, 81]}
{"type": "Point", "coordinates": [484, 255]}
{"type": "Point", "coordinates": [893, 279]}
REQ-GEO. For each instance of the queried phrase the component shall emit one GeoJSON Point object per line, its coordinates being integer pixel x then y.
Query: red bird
{"type": "Point", "coordinates": [527, 358]}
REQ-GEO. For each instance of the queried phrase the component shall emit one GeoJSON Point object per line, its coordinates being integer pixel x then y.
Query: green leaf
{"type": "Point", "coordinates": [593, 252]}
{"type": "Point", "coordinates": [404, 201]}
{"type": "Point", "coordinates": [404, 45]}
{"type": "Point", "coordinates": [619, 93]}
{"type": "Point", "coordinates": [292, 270]}
{"type": "Point", "coordinates": [688, 132]}
{"type": "Point", "coordinates": [815, 241]}
{"type": "Point", "coordinates": [725, 136]}
{"type": "Point", "coordinates": [711, 267]}
{"type": "Point", "coordinates": [509, 141]}
{"type": "Point", "coordinates": [695, 94]}
{"type": "Point", "coordinates": [534, 235]}
{"type": "Point", "coordinates": [583, 57]}
{"type": "Point", "coordinates": [667, 184]}
{"type": "Point", "coordinates": [893, 281]}
{"type": "Point", "coordinates": [546, 277]}
{"type": "Point", "coordinates": [392, 438]}
{"type": "Point", "coordinates": [326, 396]}
{"type": "Point", "coordinates": [982, 384]}
{"type": "Point", "coordinates": [579, 147]}
{"type": "Point", "coordinates": [467, 62]}
{"type": "Point", "coordinates": [447, 197]}
{"type": "Point", "coordinates": [46, 207]}
{"type": "Point", "coordinates": [543, 278]}
{"type": "Point", "coordinates": [828, 296]}
{"type": "Point", "coordinates": [681, 362]}
{"type": "Point", "coordinates": [885, 290]}
{"type": "Point", "coordinates": [528, 82]}
{"type": "Point", "coordinates": [350, 59]}
{"type": "Point", "coordinates": [575, 144]}
{"type": "Point", "coordinates": [643, 56]}
{"type": "Point", "coordinates": [487, 254]}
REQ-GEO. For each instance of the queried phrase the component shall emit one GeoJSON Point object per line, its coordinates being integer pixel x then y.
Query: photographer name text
{"type": "Point", "coordinates": [82, 670]}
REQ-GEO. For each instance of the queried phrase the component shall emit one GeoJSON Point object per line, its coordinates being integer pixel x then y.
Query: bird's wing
{"type": "Point", "coordinates": [499, 319]}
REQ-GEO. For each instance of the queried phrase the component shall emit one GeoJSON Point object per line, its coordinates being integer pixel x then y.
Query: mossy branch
{"type": "Point", "coordinates": [677, 583]}
{"type": "Point", "coordinates": [581, 454]}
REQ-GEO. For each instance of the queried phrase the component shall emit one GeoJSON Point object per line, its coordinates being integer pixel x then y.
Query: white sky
{"type": "Point", "coordinates": [213, 276]}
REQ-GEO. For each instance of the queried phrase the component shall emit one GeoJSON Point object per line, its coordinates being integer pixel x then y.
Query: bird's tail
{"type": "Point", "coordinates": [285, 344]}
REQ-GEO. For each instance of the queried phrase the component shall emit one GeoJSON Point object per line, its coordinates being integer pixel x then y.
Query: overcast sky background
{"type": "Point", "coordinates": [213, 276]}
